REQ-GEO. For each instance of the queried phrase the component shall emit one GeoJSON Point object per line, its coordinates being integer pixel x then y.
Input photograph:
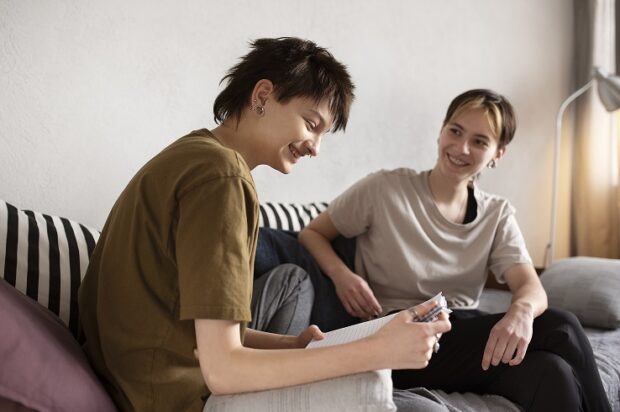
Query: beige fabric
{"type": "Point", "coordinates": [596, 175]}
{"type": "Point", "coordinates": [408, 251]}
{"type": "Point", "coordinates": [178, 245]}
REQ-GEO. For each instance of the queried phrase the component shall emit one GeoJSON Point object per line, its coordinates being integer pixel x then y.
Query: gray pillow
{"type": "Point", "coordinates": [588, 287]}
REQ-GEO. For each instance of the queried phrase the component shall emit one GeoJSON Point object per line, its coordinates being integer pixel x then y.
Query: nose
{"type": "Point", "coordinates": [463, 145]}
{"type": "Point", "coordinates": [314, 147]}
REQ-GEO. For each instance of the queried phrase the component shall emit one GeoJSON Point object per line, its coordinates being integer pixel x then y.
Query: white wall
{"type": "Point", "coordinates": [89, 90]}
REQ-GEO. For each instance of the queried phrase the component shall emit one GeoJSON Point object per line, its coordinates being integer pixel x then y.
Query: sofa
{"type": "Point", "coordinates": [42, 367]}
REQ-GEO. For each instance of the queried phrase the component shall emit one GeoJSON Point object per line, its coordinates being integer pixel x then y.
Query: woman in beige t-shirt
{"type": "Point", "coordinates": [421, 233]}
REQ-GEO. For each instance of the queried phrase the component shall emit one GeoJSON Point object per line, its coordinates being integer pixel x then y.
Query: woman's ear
{"type": "Point", "coordinates": [263, 90]}
{"type": "Point", "coordinates": [500, 153]}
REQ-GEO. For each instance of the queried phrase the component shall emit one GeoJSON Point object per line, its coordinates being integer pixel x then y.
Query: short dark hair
{"type": "Point", "coordinates": [297, 68]}
{"type": "Point", "coordinates": [498, 109]}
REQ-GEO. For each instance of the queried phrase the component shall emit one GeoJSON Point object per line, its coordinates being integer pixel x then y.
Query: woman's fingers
{"type": "Point", "coordinates": [521, 349]}
{"type": "Point", "coordinates": [410, 344]}
{"type": "Point", "coordinates": [423, 308]}
{"type": "Point", "coordinates": [355, 307]}
{"type": "Point", "coordinates": [511, 348]}
{"type": "Point", "coordinates": [488, 352]}
{"type": "Point", "coordinates": [357, 297]}
{"type": "Point", "coordinates": [366, 299]}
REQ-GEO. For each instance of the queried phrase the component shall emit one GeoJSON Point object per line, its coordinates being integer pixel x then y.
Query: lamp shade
{"type": "Point", "coordinates": [608, 89]}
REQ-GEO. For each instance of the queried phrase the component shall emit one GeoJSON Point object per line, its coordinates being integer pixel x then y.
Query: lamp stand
{"type": "Point", "coordinates": [550, 252]}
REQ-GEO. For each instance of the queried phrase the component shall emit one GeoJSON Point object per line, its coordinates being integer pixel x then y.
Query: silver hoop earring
{"type": "Point", "coordinates": [492, 164]}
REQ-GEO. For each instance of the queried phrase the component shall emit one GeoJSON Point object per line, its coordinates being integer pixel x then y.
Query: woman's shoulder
{"type": "Point", "coordinates": [492, 202]}
{"type": "Point", "coordinates": [394, 174]}
{"type": "Point", "coordinates": [387, 178]}
{"type": "Point", "coordinates": [202, 150]}
{"type": "Point", "coordinates": [194, 160]}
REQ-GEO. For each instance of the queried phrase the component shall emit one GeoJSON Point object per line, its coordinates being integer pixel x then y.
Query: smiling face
{"type": "Point", "coordinates": [289, 131]}
{"type": "Point", "coordinates": [467, 144]}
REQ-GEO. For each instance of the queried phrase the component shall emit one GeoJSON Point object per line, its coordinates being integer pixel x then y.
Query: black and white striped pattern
{"type": "Point", "coordinates": [45, 257]}
{"type": "Point", "coordinates": [289, 216]}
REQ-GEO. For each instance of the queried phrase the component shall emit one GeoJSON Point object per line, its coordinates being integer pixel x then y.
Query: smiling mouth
{"type": "Point", "coordinates": [294, 152]}
{"type": "Point", "coordinates": [456, 161]}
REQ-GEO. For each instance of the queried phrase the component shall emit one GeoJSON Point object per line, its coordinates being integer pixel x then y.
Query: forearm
{"type": "Point", "coordinates": [264, 340]}
{"type": "Point", "coordinates": [530, 296]}
{"type": "Point", "coordinates": [229, 367]}
{"type": "Point", "coordinates": [321, 249]}
{"type": "Point", "coordinates": [527, 291]}
{"type": "Point", "coordinates": [244, 369]}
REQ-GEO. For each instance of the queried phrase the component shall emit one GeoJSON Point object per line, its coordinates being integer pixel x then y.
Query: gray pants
{"type": "Point", "coordinates": [282, 300]}
{"type": "Point", "coordinates": [417, 400]}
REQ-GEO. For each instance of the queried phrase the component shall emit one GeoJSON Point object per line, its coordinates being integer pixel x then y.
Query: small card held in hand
{"type": "Point", "coordinates": [432, 315]}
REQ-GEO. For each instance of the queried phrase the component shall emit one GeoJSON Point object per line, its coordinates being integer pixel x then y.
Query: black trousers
{"type": "Point", "coordinates": [559, 372]}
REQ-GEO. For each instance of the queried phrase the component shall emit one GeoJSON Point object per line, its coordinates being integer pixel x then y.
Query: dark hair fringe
{"type": "Point", "coordinates": [489, 98]}
{"type": "Point", "coordinates": [297, 68]}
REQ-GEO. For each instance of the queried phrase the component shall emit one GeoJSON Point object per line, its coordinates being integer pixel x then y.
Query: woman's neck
{"type": "Point", "coordinates": [236, 136]}
{"type": "Point", "coordinates": [449, 195]}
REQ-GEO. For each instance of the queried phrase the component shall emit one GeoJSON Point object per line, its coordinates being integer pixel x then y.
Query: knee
{"type": "Point", "coordinates": [291, 277]}
{"type": "Point", "coordinates": [562, 320]}
{"type": "Point", "coordinates": [560, 328]}
{"type": "Point", "coordinates": [564, 317]}
{"type": "Point", "coordinates": [292, 273]}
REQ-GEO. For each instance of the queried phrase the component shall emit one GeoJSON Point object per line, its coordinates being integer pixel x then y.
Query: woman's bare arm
{"type": "Point", "coordinates": [353, 291]}
{"type": "Point", "coordinates": [229, 367]}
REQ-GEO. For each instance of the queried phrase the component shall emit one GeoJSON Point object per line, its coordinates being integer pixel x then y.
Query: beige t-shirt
{"type": "Point", "coordinates": [408, 252]}
{"type": "Point", "coordinates": [178, 245]}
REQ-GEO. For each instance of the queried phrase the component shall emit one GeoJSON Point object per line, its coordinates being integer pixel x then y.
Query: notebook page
{"type": "Point", "coordinates": [351, 333]}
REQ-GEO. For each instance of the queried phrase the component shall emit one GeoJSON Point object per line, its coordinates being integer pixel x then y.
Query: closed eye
{"type": "Point", "coordinates": [310, 125]}
{"type": "Point", "coordinates": [456, 131]}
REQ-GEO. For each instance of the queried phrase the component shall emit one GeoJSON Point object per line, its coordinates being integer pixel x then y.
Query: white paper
{"type": "Point", "coordinates": [351, 333]}
{"type": "Point", "coordinates": [361, 330]}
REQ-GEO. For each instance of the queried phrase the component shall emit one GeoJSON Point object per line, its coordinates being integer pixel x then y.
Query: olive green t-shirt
{"type": "Point", "coordinates": [178, 245]}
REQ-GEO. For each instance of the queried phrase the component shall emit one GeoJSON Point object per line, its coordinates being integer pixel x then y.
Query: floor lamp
{"type": "Point", "coordinates": [608, 87]}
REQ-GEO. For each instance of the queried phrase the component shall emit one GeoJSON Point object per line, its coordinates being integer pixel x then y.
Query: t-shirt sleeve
{"type": "Point", "coordinates": [351, 212]}
{"type": "Point", "coordinates": [214, 250]}
{"type": "Point", "coordinates": [508, 245]}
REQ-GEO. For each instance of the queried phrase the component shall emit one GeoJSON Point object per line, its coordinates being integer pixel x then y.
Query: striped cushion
{"type": "Point", "coordinates": [45, 257]}
{"type": "Point", "coordinates": [289, 216]}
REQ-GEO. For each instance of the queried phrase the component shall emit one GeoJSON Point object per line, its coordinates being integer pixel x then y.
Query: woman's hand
{"type": "Point", "coordinates": [300, 341]}
{"type": "Point", "coordinates": [311, 333]}
{"type": "Point", "coordinates": [421, 310]}
{"type": "Point", "coordinates": [356, 296]}
{"type": "Point", "coordinates": [510, 337]}
{"type": "Point", "coordinates": [409, 344]}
